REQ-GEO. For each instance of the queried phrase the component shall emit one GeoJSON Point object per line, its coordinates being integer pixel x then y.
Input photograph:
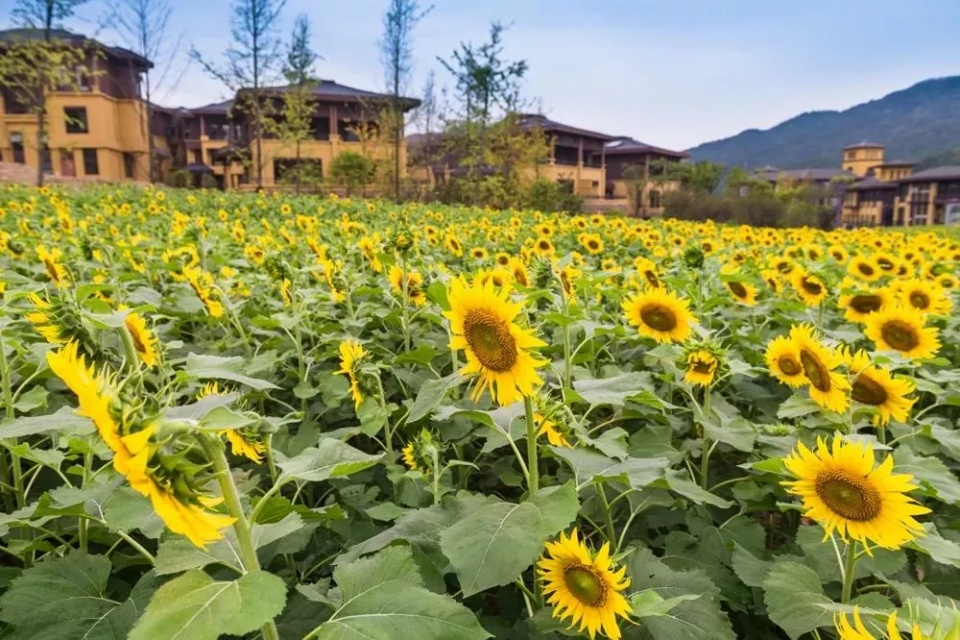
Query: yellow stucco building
{"type": "Point", "coordinates": [98, 131]}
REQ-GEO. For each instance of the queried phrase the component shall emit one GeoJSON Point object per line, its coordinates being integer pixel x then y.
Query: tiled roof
{"type": "Point", "coordinates": [865, 145]}
{"type": "Point", "coordinates": [625, 146]}
{"type": "Point", "coordinates": [949, 172]}
{"type": "Point", "coordinates": [531, 120]}
{"type": "Point", "coordinates": [870, 184]}
{"type": "Point", "coordinates": [75, 39]}
{"type": "Point", "coordinates": [332, 91]}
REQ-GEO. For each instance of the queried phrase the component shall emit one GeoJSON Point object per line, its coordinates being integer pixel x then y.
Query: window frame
{"type": "Point", "coordinates": [70, 122]}
{"type": "Point", "coordinates": [86, 161]}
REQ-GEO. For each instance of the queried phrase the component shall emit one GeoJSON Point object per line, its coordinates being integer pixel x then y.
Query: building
{"type": "Point", "coordinates": [929, 197]}
{"type": "Point", "coordinates": [577, 156]}
{"type": "Point", "coordinates": [99, 130]}
{"type": "Point", "coordinates": [635, 170]}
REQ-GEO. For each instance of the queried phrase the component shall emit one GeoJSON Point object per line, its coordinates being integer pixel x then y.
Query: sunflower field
{"type": "Point", "coordinates": [262, 416]}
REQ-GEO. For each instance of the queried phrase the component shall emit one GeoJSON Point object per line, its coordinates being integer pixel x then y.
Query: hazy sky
{"type": "Point", "coordinates": [668, 72]}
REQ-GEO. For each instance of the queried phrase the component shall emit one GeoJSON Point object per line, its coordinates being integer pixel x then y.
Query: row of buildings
{"type": "Point", "coordinates": [99, 129]}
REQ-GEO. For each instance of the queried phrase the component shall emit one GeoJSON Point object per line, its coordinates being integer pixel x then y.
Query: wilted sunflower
{"type": "Point", "coordinates": [903, 330]}
{"type": "Point", "coordinates": [132, 450]}
{"type": "Point", "coordinates": [414, 283]}
{"type": "Point", "coordinates": [351, 353]}
{"type": "Point", "coordinates": [876, 387]}
{"type": "Point", "coordinates": [783, 360]}
{"type": "Point", "coordinates": [144, 341]}
{"type": "Point", "coordinates": [549, 428]}
{"type": "Point", "coordinates": [660, 314]}
{"type": "Point", "coordinates": [827, 387]}
{"type": "Point", "coordinates": [701, 367]}
{"type": "Point", "coordinates": [584, 588]}
{"type": "Point", "coordinates": [744, 292]}
{"type": "Point", "coordinates": [810, 288]}
{"type": "Point", "coordinates": [482, 324]}
{"type": "Point", "coordinates": [844, 491]}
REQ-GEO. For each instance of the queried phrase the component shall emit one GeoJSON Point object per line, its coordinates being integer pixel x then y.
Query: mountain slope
{"type": "Point", "coordinates": [914, 123]}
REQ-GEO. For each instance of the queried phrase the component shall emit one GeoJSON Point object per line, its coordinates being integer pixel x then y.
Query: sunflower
{"type": "Point", "coordinates": [144, 340]}
{"type": "Point", "coordinates": [583, 587]}
{"type": "Point", "coordinates": [903, 330]}
{"type": "Point", "coordinates": [858, 305]}
{"type": "Point", "coordinates": [51, 262]}
{"type": "Point", "coordinates": [568, 281]}
{"type": "Point", "coordinates": [133, 450]}
{"type": "Point", "coordinates": [876, 387]}
{"type": "Point", "coordinates": [482, 324]}
{"type": "Point", "coordinates": [410, 457]}
{"type": "Point", "coordinates": [415, 292]}
{"type": "Point", "coordinates": [479, 253]}
{"type": "Point", "coordinates": [648, 269]}
{"type": "Point", "coordinates": [701, 366]}
{"type": "Point", "coordinates": [519, 271]}
{"type": "Point", "coordinates": [284, 287]}
{"type": "Point", "coordinates": [924, 296]}
{"type": "Point", "coordinates": [549, 428]}
{"type": "Point", "coordinates": [744, 292]}
{"type": "Point", "coordinates": [543, 246]}
{"type": "Point", "coordinates": [864, 269]}
{"type": "Point", "coordinates": [591, 242]}
{"type": "Point", "coordinates": [811, 289]}
{"type": "Point", "coordinates": [45, 320]}
{"type": "Point", "coordinates": [660, 315]}
{"type": "Point", "coordinates": [827, 387]}
{"type": "Point", "coordinates": [351, 353]}
{"type": "Point", "coordinates": [844, 491]}
{"type": "Point", "coordinates": [243, 442]}
{"type": "Point", "coordinates": [453, 245]}
{"type": "Point", "coordinates": [947, 281]}
{"type": "Point", "coordinates": [783, 360]}
{"type": "Point", "coordinates": [858, 631]}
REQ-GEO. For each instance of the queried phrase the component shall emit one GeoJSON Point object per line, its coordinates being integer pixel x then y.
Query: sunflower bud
{"type": "Point", "coordinates": [693, 257]}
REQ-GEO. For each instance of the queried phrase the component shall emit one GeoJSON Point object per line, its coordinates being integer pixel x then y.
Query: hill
{"type": "Point", "coordinates": [919, 124]}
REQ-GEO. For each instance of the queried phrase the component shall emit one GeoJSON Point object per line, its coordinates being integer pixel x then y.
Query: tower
{"type": "Point", "coordinates": [861, 158]}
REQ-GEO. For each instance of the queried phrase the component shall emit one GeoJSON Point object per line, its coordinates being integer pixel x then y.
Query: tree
{"type": "Point", "coordinates": [704, 176]}
{"type": "Point", "coordinates": [352, 170]}
{"type": "Point", "coordinates": [294, 123]}
{"type": "Point", "coordinates": [31, 68]}
{"type": "Point", "coordinates": [251, 63]}
{"type": "Point", "coordinates": [144, 25]}
{"type": "Point", "coordinates": [396, 55]}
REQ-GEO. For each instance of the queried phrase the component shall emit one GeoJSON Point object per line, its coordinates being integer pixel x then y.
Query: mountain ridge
{"type": "Point", "coordinates": [916, 123]}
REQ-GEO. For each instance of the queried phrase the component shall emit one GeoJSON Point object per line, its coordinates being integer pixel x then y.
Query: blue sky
{"type": "Point", "coordinates": [669, 72]}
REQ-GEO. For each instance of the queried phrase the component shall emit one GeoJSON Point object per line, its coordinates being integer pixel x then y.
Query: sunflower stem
{"type": "Point", "coordinates": [848, 573]}
{"type": "Point", "coordinates": [8, 411]}
{"type": "Point", "coordinates": [405, 312]}
{"type": "Point", "coordinates": [707, 448]}
{"type": "Point", "coordinates": [607, 515]}
{"type": "Point", "coordinates": [567, 365]}
{"type": "Point", "coordinates": [129, 349]}
{"type": "Point", "coordinates": [216, 453]}
{"type": "Point", "coordinates": [532, 461]}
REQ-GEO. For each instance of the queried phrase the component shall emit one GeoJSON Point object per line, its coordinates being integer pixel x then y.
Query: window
{"type": "Point", "coordinates": [90, 165]}
{"type": "Point", "coordinates": [128, 165]}
{"type": "Point", "coordinates": [654, 199]}
{"type": "Point", "coordinates": [197, 156]}
{"type": "Point", "coordinates": [46, 161]}
{"type": "Point", "coordinates": [76, 118]}
{"type": "Point", "coordinates": [16, 144]}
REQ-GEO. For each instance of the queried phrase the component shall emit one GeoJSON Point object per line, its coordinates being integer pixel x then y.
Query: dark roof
{"type": "Point", "coordinates": [214, 108]}
{"type": "Point", "coordinates": [949, 172]}
{"type": "Point", "coordinates": [530, 120]}
{"type": "Point", "coordinates": [75, 39]}
{"type": "Point", "coordinates": [198, 167]}
{"type": "Point", "coordinates": [865, 145]}
{"type": "Point", "coordinates": [897, 163]}
{"type": "Point", "coordinates": [331, 91]}
{"type": "Point", "coordinates": [808, 175]}
{"type": "Point", "coordinates": [871, 184]}
{"type": "Point", "coordinates": [625, 146]}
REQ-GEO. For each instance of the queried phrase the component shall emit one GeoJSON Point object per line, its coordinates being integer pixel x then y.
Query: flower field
{"type": "Point", "coordinates": [266, 416]}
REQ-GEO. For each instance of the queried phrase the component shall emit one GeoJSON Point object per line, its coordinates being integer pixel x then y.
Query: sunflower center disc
{"type": "Point", "coordinates": [852, 498]}
{"type": "Point", "coordinates": [660, 318]}
{"type": "Point", "coordinates": [919, 300]}
{"type": "Point", "coordinates": [816, 372]}
{"type": "Point", "coordinates": [899, 336]}
{"type": "Point", "coordinates": [652, 278]}
{"type": "Point", "coordinates": [702, 366]}
{"type": "Point", "coordinates": [585, 585]}
{"type": "Point", "coordinates": [884, 264]}
{"type": "Point", "coordinates": [866, 303]}
{"type": "Point", "coordinates": [812, 288]}
{"type": "Point", "coordinates": [136, 337]}
{"type": "Point", "coordinates": [866, 390]}
{"type": "Point", "coordinates": [789, 366]}
{"type": "Point", "coordinates": [738, 289]}
{"type": "Point", "coordinates": [489, 338]}
{"type": "Point", "coordinates": [865, 269]}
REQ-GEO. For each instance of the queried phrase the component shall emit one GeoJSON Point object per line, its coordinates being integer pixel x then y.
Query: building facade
{"type": "Point", "coordinates": [577, 156]}
{"type": "Point", "coordinates": [98, 130]}
{"type": "Point", "coordinates": [635, 170]}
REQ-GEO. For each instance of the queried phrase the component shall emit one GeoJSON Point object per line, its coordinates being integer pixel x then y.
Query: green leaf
{"type": "Point", "coordinates": [588, 465]}
{"type": "Point", "coordinates": [65, 419]}
{"type": "Point", "coordinates": [680, 482]}
{"type": "Point", "coordinates": [934, 477]}
{"type": "Point", "coordinates": [197, 607]}
{"type": "Point", "coordinates": [126, 510]}
{"type": "Point", "coordinates": [750, 569]}
{"type": "Point", "coordinates": [937, 547]}
{"type": "Point", "coordinates": [795, 599]}
{"type": "Point", "coordinates": [420, 528]}
{"type": "Point", "coordinates": [202, 367]}
{"type": "Point", "coordinates": [700, 619]}
{"type": "Point", "coordinates": [493, 545]}
{"type": "Point", "coordinates": [65, 599]}
{"type": "Point", "coordinates": [330, 459]}
{"type": "Point", "coordinates": [430, 396]}
{"type": "Point", "coordinates": [35, 398]}
{"type": "Point", "coordinates": [384, 598]}
{"type": "Point", "coordinates": [558, 507]}
{"type": "Point", "coordinates": [616, 390]}
{"type": "Point", "coordinates": [650, 604]}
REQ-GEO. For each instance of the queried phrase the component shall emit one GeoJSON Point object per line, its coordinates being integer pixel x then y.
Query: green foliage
{"type": "Point", "coordinates": [351, 169]}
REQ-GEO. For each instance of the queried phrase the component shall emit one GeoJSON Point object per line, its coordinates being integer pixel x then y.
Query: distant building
{"type": "Point", "coordinates": [576, 155]}
{"type": "Point", "coordinates": [100, 130]}
{"type": "Point", "coordinates": [639, 167]}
